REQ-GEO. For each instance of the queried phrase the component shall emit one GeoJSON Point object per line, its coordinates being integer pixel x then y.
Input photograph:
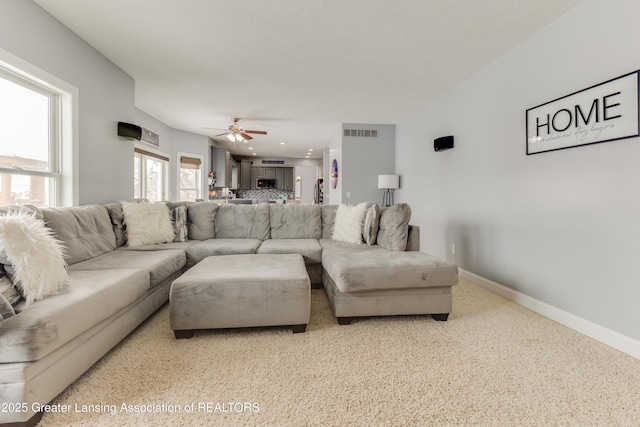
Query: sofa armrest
{"type": "Point", "coordinates": [413, 241]}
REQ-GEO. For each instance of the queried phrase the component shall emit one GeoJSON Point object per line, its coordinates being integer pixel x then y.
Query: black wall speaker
{"type": "Point", "coordinates": [129, 131]}
{"type": "Point", "coordinates": [443, 143]}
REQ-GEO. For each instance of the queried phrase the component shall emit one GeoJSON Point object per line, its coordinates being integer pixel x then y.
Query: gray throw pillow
{"type": "Point", "coordinates": [179, 221]}
{"type": "Point", "coordinates": [9, 297]}
{"type": "Point", "coordinates": [371, 224]}
{"type": "Point", "coordinates": [394, 227]}
{"type": "Point", "coordinates": [116, 215]}
{"type": "Point", "coordinates": [201, 220]}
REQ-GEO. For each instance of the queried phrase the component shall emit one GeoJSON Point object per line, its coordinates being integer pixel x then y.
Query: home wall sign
{"type": "Point", "coordinates": [605, 112]}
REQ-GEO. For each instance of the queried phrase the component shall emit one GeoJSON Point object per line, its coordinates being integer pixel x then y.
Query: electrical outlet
{"type": "Point", "coordinates": [348, 194]}
{"type": "Point", "coordinates": [453, 249]}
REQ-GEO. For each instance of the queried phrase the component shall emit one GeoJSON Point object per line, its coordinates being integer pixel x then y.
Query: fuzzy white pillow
{"type": "Point", "coordinates": [34, 257]}
{"type": "Point", "coordinates": [348, 225]}
{"type": "Point", "coordinates": [147, 223]}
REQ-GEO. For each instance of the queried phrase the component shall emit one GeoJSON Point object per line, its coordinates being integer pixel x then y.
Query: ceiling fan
{"type": "Point", "coordinates": [235, 132]}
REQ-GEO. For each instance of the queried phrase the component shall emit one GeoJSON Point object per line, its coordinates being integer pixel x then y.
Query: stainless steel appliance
{"type": "Point", "coordinates": [265, 183]}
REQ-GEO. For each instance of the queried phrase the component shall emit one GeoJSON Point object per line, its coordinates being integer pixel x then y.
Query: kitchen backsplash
{"type": "Point", "coordinates": [271, 194]}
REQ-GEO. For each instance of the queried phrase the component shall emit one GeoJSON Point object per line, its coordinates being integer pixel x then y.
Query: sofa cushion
{"type": "Point", "coordinates": [243, 222]}
{"type": "Point", "coordinates": [328, 220]}
{"type": "Point", "coordinates": [85, 231]}
{"type": "Point", "coordinates": [200, 251]}
{"type": "Point", "coordinates": [310, 249]}
{"type": "Point", "coordinates": [394, 227]}
{"type": "Point", "coordinates": [91, 297]}
{"type": "Point", "coordinates": [160, 264]}
{"type": "Point", "coordinates": [200, 219]}
{"type": "Point", "coordinates": [361, 268]}
{"type": "Point", "coordinates": [295, 221]}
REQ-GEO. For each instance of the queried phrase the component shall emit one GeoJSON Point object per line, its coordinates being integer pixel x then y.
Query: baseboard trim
{"type": "Point", "coordinates": [599, 333]}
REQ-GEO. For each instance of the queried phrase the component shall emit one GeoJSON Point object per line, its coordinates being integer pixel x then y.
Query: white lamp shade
{"type": "Point", "coordinates": [389, 181]}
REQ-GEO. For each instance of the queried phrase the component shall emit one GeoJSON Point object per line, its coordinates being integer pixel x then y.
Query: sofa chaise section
{"type": "Point", "coordinates": [373, 280]}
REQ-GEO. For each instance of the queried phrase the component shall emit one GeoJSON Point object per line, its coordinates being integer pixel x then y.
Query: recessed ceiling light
{"type": "Point", "coordinates": [310, 149]}
{"type": "Point", "coordinates": [282, 143]}
{"type": "Point", "coordinates": [255, 154]}
{"type": "Point", "coordinates": [250, 148]}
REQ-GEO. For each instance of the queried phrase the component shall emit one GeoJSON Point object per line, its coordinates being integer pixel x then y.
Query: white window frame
{"type": "Point", "coordinates": [200, 189]}
{"type": "Point", "coordinates": [145, 153]}
{"type": "Point", "coordinates": [64, 138]}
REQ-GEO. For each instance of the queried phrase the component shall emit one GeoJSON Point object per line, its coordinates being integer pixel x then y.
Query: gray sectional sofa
{"type": "Point", "coordinates": [113, 288]}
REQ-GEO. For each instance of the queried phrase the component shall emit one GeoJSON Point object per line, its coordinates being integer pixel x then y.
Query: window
{"type": "Point", "coordinates": [150, 176]}
{"type": "Point", "coordinates": [190, 178]}
{"type": "Point", "coordinates": [30, 142]}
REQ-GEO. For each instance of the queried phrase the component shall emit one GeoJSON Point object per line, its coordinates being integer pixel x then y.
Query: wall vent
{"type": "Point", "coordinates": [273, 162]}
{"type": "Point", "coordinates": [361, 133]}
{"type": "Point", "coordinates": [150, 137]}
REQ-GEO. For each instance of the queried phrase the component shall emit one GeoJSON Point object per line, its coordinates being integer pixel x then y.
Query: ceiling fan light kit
{"type": "Point", "coordinates": [235, 133]}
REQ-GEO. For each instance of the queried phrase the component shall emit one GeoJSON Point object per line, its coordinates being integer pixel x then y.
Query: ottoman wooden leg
{"type": "Point", "coordinates": [440, 317]}
{"type": "Point", "coordinates": [298, 329]}
{"type": "Point", "coordinates": [183, 334]}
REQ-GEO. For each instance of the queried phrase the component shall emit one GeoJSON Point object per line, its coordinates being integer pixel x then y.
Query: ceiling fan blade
{"type": "Point", "coordinates": [245, 136]}
{"type": "Point", "coordinates": [216, 128]}
{"type": "Point", "coordinates": [222, 134]}
{"type": "Point", "coordinates": [259, 132]}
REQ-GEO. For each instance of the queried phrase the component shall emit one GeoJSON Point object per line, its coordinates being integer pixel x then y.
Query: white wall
{"type": "Point", "coordinates": [106, 95]}
{"type": "Point", "coordinates": [562, 227]}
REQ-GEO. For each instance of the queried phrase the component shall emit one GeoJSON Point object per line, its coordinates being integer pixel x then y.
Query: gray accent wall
{"type": "Point", "coordinates": [562, 227]}
{"type": "Point", "coordinates": [363, 159]}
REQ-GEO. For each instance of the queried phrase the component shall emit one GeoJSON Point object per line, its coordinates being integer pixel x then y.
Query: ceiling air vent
{"type": "Point", "coordinates": [273, 162]}
{"type": "Point", "coordinates": [361, 133]}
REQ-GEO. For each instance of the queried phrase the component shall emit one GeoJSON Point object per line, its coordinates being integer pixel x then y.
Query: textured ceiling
{"type": "Point", "coordinates": [297, 68]}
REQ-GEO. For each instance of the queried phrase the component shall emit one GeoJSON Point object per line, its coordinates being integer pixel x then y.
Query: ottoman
{"type": "Point", "coordinates": [237, 291]}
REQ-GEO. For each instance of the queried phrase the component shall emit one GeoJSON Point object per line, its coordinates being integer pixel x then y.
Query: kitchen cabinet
{"type": "Point", "coordinates": [245, 175]}
{"type": "Point", "coordinates": [235, 174]}
{"type": "Point", "coordinates": [279, 178]}
{"type": "Point", "coordinates": [221, 166]}
{"type": "Point", "coordinates": [288, 179]}
{"type": "Point", "coordinates": [270, 172]}
{"type": "Point", "coordinates": [254, 177]}
{"type": "Point", "coordinates": [284, 179]}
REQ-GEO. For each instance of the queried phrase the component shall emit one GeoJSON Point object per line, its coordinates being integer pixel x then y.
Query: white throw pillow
{"type": "Point", "coordinates": [33, 257]}
{"type": "Point", "coordinates": [348, 225]}
{"type": "Point", "coordinates": [147, 223]}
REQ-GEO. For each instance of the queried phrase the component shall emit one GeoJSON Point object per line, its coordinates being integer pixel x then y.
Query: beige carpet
{"type": "Point", "coordinates": [493, 363]}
